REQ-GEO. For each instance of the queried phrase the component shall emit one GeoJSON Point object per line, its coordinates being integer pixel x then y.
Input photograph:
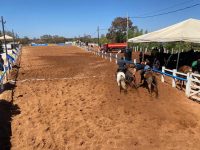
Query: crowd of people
{"type": "Point", "coordinates": [145, 65]}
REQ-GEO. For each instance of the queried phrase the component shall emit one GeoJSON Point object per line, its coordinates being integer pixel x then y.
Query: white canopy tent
{"type": "Point", "coordinates": [8, 38]}
{"type": "Point", "coordinates": [187, 31]}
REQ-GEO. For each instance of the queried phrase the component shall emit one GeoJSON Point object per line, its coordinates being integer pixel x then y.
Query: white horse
{"type": "Point", "coordinates": [121, 81]}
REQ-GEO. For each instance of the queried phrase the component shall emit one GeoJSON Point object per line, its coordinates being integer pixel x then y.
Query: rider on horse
{"type": "Point", "coordinates": [130, 73]}
{"type": "Point", "coordinates": [121, 65]}
{"type": "Point", "coordinates": [146, 68]}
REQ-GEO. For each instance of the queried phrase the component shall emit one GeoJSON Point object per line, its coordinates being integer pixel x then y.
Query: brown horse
{"type": "Point", "coordinates": [130, 76]}
{"type": "Point", "coordinates": [151, 81]}
{"type": "Point", "coordinates": [184, 69]}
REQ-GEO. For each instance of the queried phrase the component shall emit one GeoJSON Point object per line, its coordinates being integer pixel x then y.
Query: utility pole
{"type": "Point", "coordinates": [3, 22]}
{"type": "Point", "coordinates": [13, 37]}
{"type": "Point", "coordinates": [98, 35]}
{"type": "Point", "coordinates": [127, 28]}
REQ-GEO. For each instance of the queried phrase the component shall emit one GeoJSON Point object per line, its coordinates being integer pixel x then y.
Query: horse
{"type": "Point", "coordinates": [130, 76]}
{"type": "Point", "coordinates": [184, 69]}
{"type": "Point", "coordinates": [121, 81]}
{"type": "Point", "coordinates": [151, 81]}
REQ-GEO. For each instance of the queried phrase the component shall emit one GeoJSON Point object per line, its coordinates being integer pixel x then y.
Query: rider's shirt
{"type": "Point", "coordinates": [194, 64]}
{"type": "Point", "coordinates": [147, 67]}
{"type": "Point", "coordinates": [121, 64]}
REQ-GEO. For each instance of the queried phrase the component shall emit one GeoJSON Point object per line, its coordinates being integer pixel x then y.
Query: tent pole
{"type": "Point", "coordinates": [177, 63]}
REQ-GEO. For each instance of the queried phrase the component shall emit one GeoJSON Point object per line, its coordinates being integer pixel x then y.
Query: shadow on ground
{"type": "Point", "coordinates": [7, 111]}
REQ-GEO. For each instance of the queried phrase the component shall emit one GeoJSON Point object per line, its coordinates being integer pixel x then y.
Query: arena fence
{"type": "Point", "coordinates": [192, 80]}
{"type": "Point", "coordinates": [33, 44]}
{"type": "Point", "coordinates": [12, 58]}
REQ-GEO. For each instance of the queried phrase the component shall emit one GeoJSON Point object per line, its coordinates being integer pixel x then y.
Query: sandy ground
{"type": "Point", "coordinates": [68, 99]}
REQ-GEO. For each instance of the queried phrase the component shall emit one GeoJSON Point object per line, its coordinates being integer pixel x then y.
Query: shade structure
{"type": "Point", "coordinates": [186, 31]}
{"type": "Point", "coordinates": [8, 38]}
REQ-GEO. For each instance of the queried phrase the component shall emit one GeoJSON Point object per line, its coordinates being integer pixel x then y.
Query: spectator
{"type": "Point", "coordinates": [1, 63]}
{"type": "Point", "coordinates": [128, 54]}
{"type": "Point", "coordinates": [156, 64]}
{"type": "Point", "coordinates": [141, 56]}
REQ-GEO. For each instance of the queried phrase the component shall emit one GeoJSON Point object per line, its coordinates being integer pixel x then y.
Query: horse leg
{"type": "Point", "coordinates": [125, 91]}
{"type": "Point", "coordinates": [134, 82]}
{"type": "Point", "coordinates": [181, 85]}
{"type": "Point", "coordinates": [155, 89]}
{"type": "Point", "coordinates": [120, 87]}
{"type": "Point", "coordinates": [149, 87]}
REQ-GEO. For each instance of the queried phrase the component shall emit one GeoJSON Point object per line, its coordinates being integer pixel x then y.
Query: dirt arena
{"type": "Point", "coordinates": [67, 99]}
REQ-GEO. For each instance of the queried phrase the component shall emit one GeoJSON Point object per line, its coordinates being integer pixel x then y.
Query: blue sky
{"type": "Point", "coordinates": [71, 18]}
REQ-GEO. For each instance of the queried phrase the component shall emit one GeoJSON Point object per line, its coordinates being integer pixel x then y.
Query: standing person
{"type": "Point", "coordinates": [196, 66]}
{"type": "Point", "coordinates": [86, 44]}
{"type": "Point", "coordinates": [156, 64]}
{"type": "Point", "coordinates": [141, 56]}
{"type": "Point", "coordinates": [1, 63]}
{"type": "Point", "coordinates": [128, 54]}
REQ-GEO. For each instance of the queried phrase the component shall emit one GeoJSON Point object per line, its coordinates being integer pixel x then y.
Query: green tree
{"type": "Point", "coordinates": [103, 39]}
{"type": "Point", "coordinates": [25, 40]}
{"type": "Point", "coordinates": [47, 38]}
{"type": "Point", "coordinates": [117, 31]}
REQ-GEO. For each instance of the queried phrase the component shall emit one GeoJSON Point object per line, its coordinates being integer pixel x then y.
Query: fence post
{"type": "Point", "coordinates": [110, 57]}
{"type": "Point", "coordinates": [145, 50]}
{"type": "Point", "coordinates": [116, 58]}
{"type": "Point", "coordinates": [134, 61]}
{"type": "Point", "coordinates": [102, 55]}
{"type": "Point", "coordinates": [188, 85]}
{"type": "Point", "coordinates": [173, 79]}
{"type": "Point", "coordinates": [162, 76]}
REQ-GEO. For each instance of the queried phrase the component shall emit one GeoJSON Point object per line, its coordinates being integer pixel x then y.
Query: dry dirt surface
{"type": "Point", "coordinates": [68, 99]}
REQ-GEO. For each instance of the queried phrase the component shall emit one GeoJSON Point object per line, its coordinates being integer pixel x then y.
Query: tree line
{"type": "Point", "coordinates": [117, 33]}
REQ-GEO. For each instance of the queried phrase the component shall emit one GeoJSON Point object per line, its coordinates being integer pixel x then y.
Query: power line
{"type": "Point", "coordinates": [167, 8]}
{"type": "Point", "coordinates": [104, 29]}
{"type": "Point", "coordinates": [165, 13]}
